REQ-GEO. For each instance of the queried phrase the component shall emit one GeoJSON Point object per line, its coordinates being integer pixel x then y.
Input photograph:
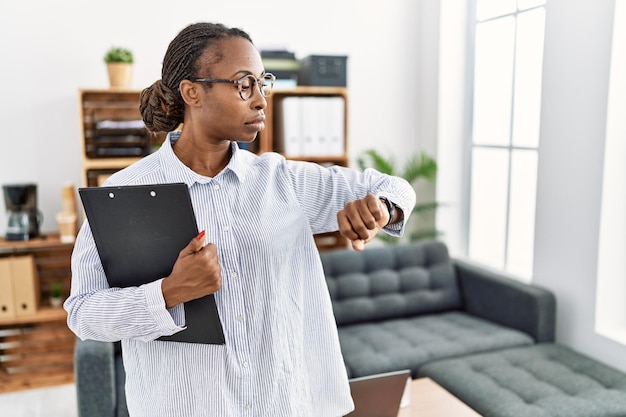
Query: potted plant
{"type": "Point", "coordinates": [56, 294]}
{"type": "Point", "coordinates": [119, 66]}
{"type": "Point", "coordinates": [419, 166]}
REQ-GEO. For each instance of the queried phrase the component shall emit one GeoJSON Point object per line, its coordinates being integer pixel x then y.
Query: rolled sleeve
{"type": "Point", "coordinates": [404, 201]}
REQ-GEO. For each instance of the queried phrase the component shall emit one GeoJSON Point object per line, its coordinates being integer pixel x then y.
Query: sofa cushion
{"type": "Point", "coordinates": [409, 343]}
{"type": "Point", "coordinates": [390, 282]}
{"type": "Point", "coordinates": [544, 380]}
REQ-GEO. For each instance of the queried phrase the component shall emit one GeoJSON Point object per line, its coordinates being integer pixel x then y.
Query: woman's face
{"type": "Point", "coordinates": [224, 115]}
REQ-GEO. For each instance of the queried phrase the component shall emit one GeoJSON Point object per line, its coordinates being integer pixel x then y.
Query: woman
{"type": "Point", "coordinates": [256, 251]}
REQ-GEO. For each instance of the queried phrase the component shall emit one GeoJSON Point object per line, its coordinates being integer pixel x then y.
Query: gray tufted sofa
{"type": "Point", "coordinates": [401, 307]}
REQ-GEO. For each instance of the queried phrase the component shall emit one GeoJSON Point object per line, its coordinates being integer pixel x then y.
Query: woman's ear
{"type": "Point", "coordinates": [190, 93]}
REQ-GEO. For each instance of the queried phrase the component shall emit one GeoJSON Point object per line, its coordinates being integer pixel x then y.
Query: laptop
{"type": "Point", "coordinates": [378, 395]}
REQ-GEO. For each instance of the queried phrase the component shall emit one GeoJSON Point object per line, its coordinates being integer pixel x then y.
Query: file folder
{"type": "Point", "coordinates": [139, 231]}
{"type": "Point", "coordinates": [7, 305]}
{"type": "Point", "coordinates": [25, 285]}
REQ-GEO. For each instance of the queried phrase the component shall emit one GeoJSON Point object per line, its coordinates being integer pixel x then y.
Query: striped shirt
{"type": "Point", "coordinates": [282, 356]}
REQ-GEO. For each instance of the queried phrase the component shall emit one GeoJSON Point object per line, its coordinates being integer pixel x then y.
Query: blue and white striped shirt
{"type": "Point", "coordinates": [282, 356]}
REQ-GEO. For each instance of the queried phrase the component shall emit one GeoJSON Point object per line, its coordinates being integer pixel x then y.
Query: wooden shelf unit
{"type": "Point", "coordinates": [37, 350]}
{"type": "Point", "coordinates": [116, 106]}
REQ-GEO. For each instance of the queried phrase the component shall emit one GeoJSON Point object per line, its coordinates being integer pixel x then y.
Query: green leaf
{"type": "Point", "coordinates": [422, 166]}
{"type": "Point", "coordinates": [426, 207]}
{"type": "Point", "coordinates": [376, 161]}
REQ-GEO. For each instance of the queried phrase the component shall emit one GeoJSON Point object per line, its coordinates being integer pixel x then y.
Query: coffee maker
{"type": "Point", "coordinates": [24, 218]}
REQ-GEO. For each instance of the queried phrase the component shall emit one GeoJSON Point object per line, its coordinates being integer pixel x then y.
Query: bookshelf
{"type": "Point", "coordinates": [113, 135]}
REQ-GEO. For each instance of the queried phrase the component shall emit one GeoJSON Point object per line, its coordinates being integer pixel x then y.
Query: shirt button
{"type": "Point", "coordinates": [248, 407]}
{"type": "Point", "coordinates": [216, 187]}
{"type": "Point", "coordinates": [233, 275]}
{"type": "Point", "coordinates": [226, 228]}
{"type": "Point", "coordinates": [245, 364]}
{"type": "Point", "coordinates": [239, 318]}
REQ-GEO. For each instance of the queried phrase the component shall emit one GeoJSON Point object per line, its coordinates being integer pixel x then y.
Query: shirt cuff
{"type": "Point", "coordinates": [395, 229]}
{"type": "Point", "coordinates": [170, 320]}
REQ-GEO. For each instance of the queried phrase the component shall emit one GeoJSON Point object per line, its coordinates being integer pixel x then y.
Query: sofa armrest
{"type": "Point", "coordinates": [508, 302]}
{"type": "Point", "coordinates": [94, 371]}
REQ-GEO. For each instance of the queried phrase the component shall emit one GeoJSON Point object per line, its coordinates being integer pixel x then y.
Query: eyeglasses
{"type": "Point", "coordinates": [246, 84]}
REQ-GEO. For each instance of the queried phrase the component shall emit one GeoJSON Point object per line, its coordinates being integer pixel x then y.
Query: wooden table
{"type": "Point", "coordinates": [429, 399]}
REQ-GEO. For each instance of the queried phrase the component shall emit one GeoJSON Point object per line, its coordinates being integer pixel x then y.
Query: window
{"type": "Point", "coordinates": [504, 135]}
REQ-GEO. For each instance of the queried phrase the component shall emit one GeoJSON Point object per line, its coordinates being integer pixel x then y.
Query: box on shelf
{"type": "Point", "coordinates": [323, 70]}
{"type": "Point", "coordinates": [284, 65]}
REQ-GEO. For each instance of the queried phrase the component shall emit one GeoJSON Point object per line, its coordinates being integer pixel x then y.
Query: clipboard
{"type": "Point", "coordinates": [139, 231]}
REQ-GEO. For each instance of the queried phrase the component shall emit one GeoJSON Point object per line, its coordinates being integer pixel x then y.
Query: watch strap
{"type": "Point", "coordinates": [390, 208]}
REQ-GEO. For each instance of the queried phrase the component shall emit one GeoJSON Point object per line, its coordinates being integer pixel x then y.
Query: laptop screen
{"type": "Point", "coordinates": [378, 395]}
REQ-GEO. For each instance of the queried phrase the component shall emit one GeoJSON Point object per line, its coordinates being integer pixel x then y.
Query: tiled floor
{"type": "Point", "coordinates": [59, 401]}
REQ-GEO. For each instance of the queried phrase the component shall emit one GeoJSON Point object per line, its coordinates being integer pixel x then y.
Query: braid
{"type": "Point", "coordinates": [161, 104]}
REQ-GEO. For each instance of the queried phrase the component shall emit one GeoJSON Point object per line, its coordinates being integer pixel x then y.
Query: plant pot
{"type": "Point", "coordinates": [56, 301]}
{"type": "Point", "coordinates": [120, 74]}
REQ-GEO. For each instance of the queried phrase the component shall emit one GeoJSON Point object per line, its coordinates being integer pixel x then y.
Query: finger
{"type": "Point", "coordinates": [360, 228]}
{"type": "Point", "coordinates": [356, 221]}
{"type": "Point", "coordinates": [358, 245]}
{"type": "Point", "coordinates": [195, 245]}
{"type": "Point", "coordinates": [210, 252]}
{"type": "Point", "coordinates": [373, 212]}
{"type": "Point", "coordinates": [352, 227]}
{"type": "Point", "coordinates": [345, 227]}
{"type": "Point", "coordinates": [367, 214]}
{"type": "Point", "coordinates": [378, 210]}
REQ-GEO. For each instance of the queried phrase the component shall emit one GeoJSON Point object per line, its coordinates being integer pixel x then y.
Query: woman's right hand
{"type": "Point", "coordinates": [196, 273]}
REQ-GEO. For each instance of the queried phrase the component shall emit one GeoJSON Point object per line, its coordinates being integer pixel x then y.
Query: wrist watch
{"type": "Point", "coordinates": [390, 208]}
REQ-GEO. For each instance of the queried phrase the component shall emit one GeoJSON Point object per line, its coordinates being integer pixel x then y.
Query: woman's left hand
{"type": "Point", "coordinates": [361, 219]}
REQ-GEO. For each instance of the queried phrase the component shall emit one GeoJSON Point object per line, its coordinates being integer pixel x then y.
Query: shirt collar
{"type": "Point", "coordinates": [176, 171]}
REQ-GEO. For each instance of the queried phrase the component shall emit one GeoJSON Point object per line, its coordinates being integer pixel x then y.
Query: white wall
{"type": "Point", "coordinates": [571, 158]}
{"type": "Point", "coordinates": [610, 317]}
{"type": "Point", "coordinates": [52, 49]}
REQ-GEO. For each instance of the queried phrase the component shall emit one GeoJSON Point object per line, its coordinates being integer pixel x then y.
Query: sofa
{"type": "Point", "coordinates": [99, 377]}
{"type": "Point", "coordinates": [486, 338]}
{"type": "Point", "coordinates": [402, 306]}
{"type": "Point", "coordinates": [411, 306]}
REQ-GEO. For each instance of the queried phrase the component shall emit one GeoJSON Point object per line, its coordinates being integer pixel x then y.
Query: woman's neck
{"type": "Point", "coordinates": [204, 159]}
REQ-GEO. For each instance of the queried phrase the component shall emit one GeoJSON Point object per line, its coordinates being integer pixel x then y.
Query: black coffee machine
{"type": "Point", "coordinates": [24, 218]}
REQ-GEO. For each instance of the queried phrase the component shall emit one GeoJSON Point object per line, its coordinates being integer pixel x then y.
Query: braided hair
{"type": "Point", "coordinates": [161, 105]}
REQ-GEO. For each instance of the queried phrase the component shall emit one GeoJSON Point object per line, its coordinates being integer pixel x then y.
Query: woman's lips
{"type": "Point", "coordinates": [257, 123]}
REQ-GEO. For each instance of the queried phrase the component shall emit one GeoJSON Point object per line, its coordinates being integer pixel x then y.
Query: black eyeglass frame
{"type": "Point", "coordinates": [261, 82]}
